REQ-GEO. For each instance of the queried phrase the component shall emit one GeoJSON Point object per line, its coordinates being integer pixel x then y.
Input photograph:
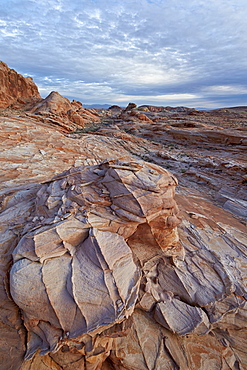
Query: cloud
{"type": "Point", "coordinates": [102, 51]}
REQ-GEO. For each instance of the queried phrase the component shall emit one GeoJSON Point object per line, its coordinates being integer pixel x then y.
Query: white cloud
{"type": "Point", "coordinates": [226, 90]}
{"type": "Point", "coordinates": [135, 48]}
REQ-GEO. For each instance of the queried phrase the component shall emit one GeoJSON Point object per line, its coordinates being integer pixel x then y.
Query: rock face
{"type": "Point", "coordinates": [16, 88]}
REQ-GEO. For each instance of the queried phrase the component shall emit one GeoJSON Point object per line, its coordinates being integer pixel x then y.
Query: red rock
{"type": "Point", "coordinates": [131, 115]}
{"type": "Point", "coordinates": [60, 109]}
{"type": "Point", "coordinates": [130, 107]}
{"type": "Point", "coordinates": [53, 103]}
{"type": "Point", "coordinates": [143, 117]}
{"type": "Point", "coordinates": [115, 107]}
{"type": "Point", "coordinates": [14, 88]}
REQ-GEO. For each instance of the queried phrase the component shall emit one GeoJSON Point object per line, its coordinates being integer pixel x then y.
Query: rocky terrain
{"type": "Point", "coordinates": [21, 94]}
{"type": "Point", "coordinates": [123, 236]}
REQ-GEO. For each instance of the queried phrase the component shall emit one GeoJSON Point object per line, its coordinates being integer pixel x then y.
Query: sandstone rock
{"type": "Point", "coordinates": [205, 151]}
{"type": "Point", "coordinates": [73, 256]}
{"type": "Point", "coordinates": [133, 115]}
{"type": "Point", "coordinates": [53, 103]}
{"type": "Point", "coordinates": [115, 107]}
{"type": "Point", "coordinates": [16, 88]}
{"type": "Point", "coordinates": [76, 118]}
{"type": "Point", "coordinates": [32, 152]}
{"type": "Point", "coordinates": [81, 210]}
{"type": "Point", "coordinates": [143, 117]}
{"type": "Point", "coordinates": [22, 93]}
{"type": "Point", "coordinates": [143, 109]}
{"type": "Point", "coordinates": [69, 116]}
{"type": "Point", "coordinates": [236, 207]}
{"type": "Point", "coordinates": [130, 107]}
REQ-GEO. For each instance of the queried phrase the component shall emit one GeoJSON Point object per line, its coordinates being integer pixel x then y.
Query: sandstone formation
{"type": "Point", "coordinates": [133, 115]}
{"type": "Point", "coordinates": [103, 265]}
{"type": "Point", "coordinates": [14, 88]}
{"type": "Point", "coordinates": [21, 93]}
{"type": "Point", "coordinates": [58, 110]}
{"type": "Point", "coordinates": [205, 149]}
{"type": "Point", "coordinates": [130, 107]}
{"type": "Point", "coordinates": [115, 107]}
{"type": "Point", "coordinates": [74, 257]}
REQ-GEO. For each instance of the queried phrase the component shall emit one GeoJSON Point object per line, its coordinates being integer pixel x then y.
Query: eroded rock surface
{"type": "Point", "coordinates": [73, 272]}
{"type": "Point", "coordinates": [57, 109]}
{"type": "Point", "coordinates": [188, 295]}
{"type": "Point", "coordinates": [21, 93]}
{"type": "Point", "coordinates": [205, 150]}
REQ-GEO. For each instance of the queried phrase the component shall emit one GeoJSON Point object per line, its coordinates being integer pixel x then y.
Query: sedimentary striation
{"type": "Point", "coordinates": [21, 93]}
{"type": "Point", "coordinates": [56, 109]}
{"type": "Point", "coordinates": [103, 264]}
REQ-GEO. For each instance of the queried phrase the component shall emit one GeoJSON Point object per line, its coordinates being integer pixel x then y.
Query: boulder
{"type": "Point", "coordinates": [105, 237]}
{"type": "Point", "coordinates": [115, 107]}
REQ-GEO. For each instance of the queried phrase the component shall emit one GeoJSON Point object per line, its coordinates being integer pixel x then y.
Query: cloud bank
{"type": "Point", "coordinates": [163, 52]}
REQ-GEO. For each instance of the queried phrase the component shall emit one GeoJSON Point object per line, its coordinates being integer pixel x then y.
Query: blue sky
{"type": "Point", "coordinates": [162, 52]}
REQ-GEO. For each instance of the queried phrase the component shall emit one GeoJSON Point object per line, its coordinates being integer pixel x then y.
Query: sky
{"type": "Point", "coordinates": [163, 52]}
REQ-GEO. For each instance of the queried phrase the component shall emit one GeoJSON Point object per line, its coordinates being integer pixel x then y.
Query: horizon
{"type": "Point", "coordinates": [151, 52]}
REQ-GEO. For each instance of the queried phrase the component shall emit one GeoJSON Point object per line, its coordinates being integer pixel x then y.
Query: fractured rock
{"type": "Point", "coordinates": [74, 255]}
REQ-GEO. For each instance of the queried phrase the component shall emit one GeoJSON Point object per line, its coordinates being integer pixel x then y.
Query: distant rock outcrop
{"type": "Point", "coordinates": [21, 93]}
{"type": "Point", "coordinates": [57, 109]}
{"type": "Point", "coordinates": [132, 113]}
{"type": "Point", "coordinates": [130, 107]}
{"type": "Point", "coordinates": [115, 108]}
{"type": "Point", "coordinates": [14, 88]}
{"type": "Point", "coordinates": [53, 103]}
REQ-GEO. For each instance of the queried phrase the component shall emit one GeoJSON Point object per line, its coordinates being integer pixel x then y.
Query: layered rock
{"type": "Point", "coordinates": [21, 93]}
{"type": "Point", "coordinates": [91, 240]}
{"type": "Point", "coordinates": [14, 88]}
{"type": "Point", "coordinates": [73, 271]}
{"type": "Point", "coordinates": [57, 109]}
{"type": "Point", "coordinates": [205, 150]}
{"type": "Point", "coordinates": [132, 113]}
